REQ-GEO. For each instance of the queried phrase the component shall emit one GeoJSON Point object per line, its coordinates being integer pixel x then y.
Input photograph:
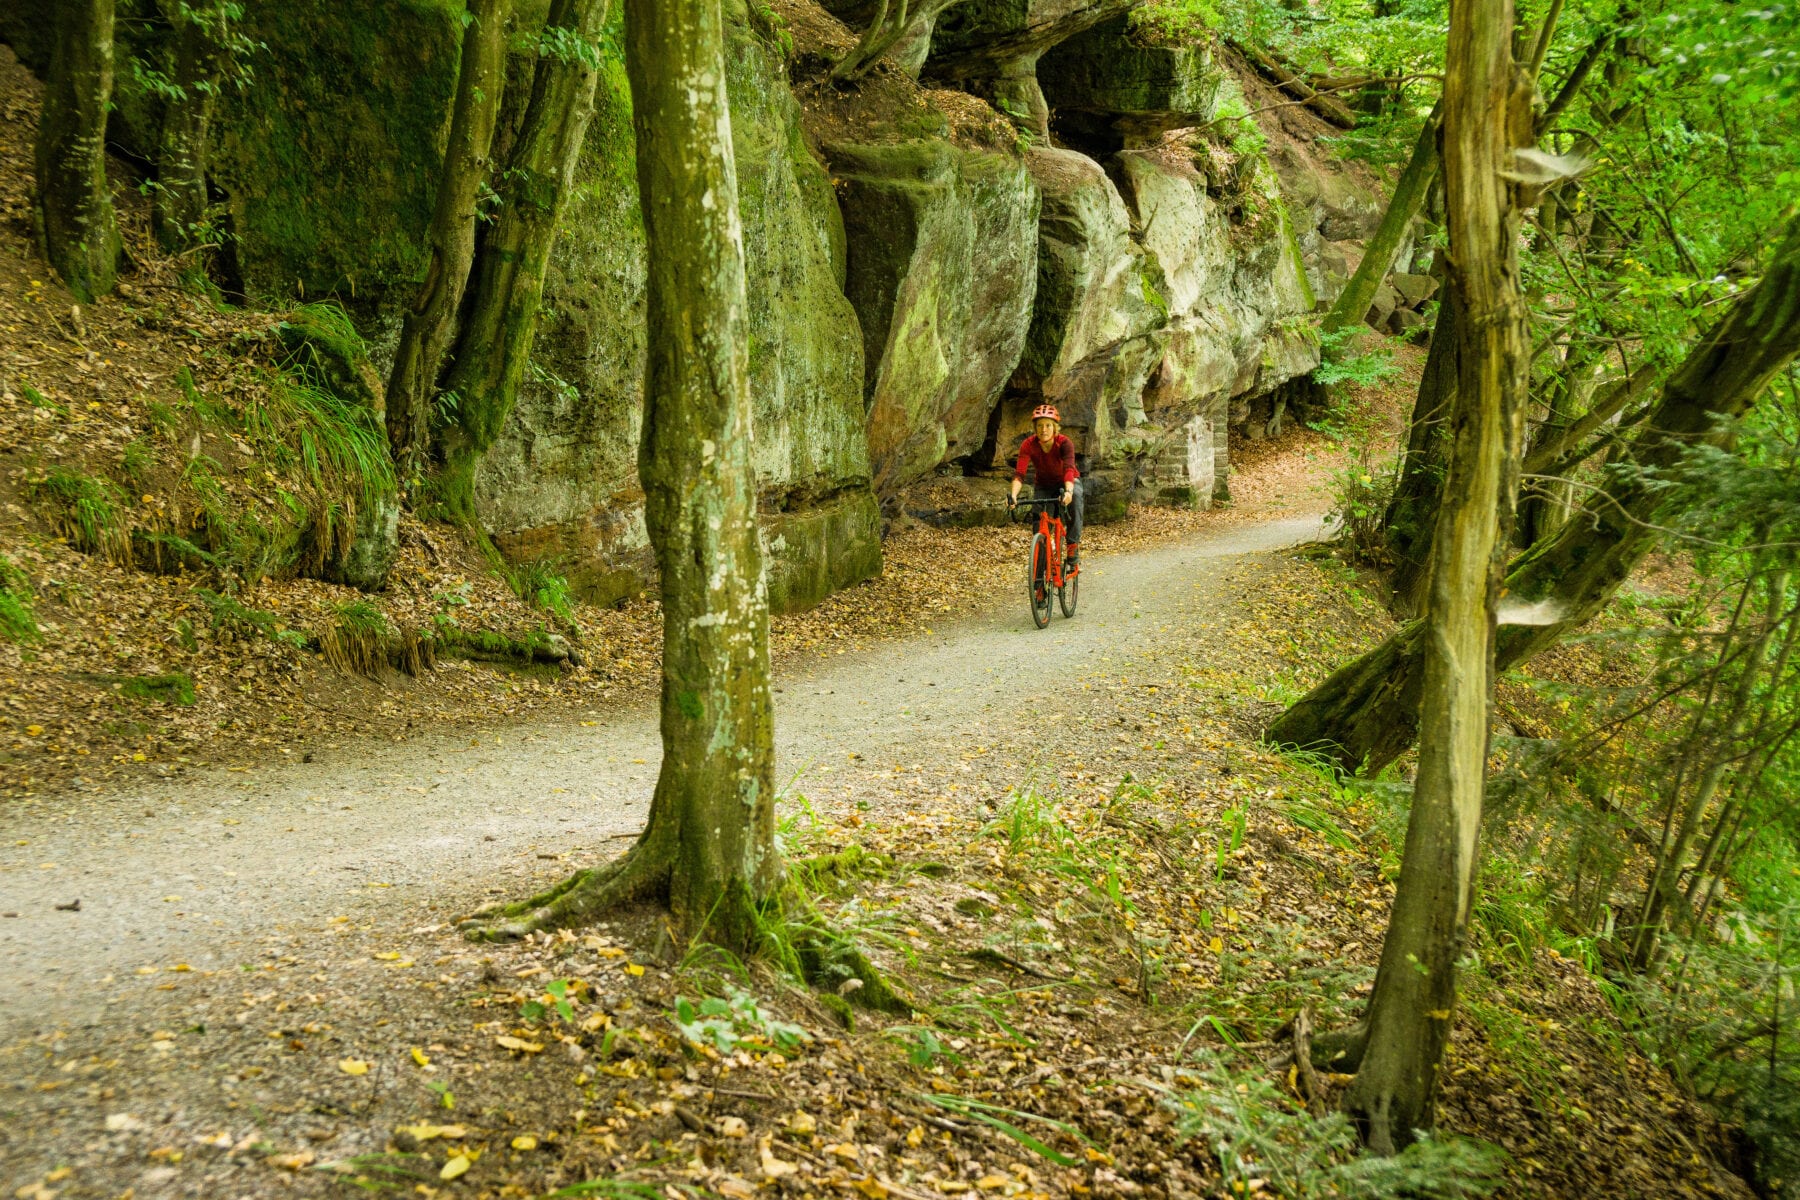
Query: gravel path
{"type": "Point", "coordinates": [194, 873]}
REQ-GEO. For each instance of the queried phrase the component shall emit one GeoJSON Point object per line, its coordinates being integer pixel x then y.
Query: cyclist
{"type": "Point", "coordinates": [1054, 457]}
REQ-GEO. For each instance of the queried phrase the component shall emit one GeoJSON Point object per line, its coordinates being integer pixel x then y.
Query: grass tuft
{"type": "Point", "coordinates": [17, 622]}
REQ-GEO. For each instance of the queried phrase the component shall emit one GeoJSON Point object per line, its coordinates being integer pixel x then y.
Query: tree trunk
{"type": "Point", "coordinates": [1410, 1012]}
{"type": "Point", "coordinates": [709, 845]}
{"type": "Point", "coordinates": [71, 202]}
{"type": "Point", "coordinates": [178, 208]}
{"type": "Point", "coordinates": [495, 348]}
{"type": "Point", "coordinates": [1412, 510]}
{"type": "Point", "coordinates": [716, 792]}
{"type": "Point", "coordinates": [1366, 713]}
{"type": "Point", "coordinates": [430, 324]}
{"type": "Point", "coordinates": [1378, 257]}
{"type": "Point", "coordinates": [1544, 503]}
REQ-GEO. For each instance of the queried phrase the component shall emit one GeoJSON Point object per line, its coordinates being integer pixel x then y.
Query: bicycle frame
{"type": "Point", "coordinates": [1051, 526]}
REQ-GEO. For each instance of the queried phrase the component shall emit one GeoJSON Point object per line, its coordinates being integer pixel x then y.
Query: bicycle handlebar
{"type": "Point", "coordinates": [1054, 502]}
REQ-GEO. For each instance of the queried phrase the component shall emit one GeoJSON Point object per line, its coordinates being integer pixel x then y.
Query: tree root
{"type": "Point", "coordinates": [1340, 1050]}
{"type": "Point", "coordinates": [1304, 1071]}
{"type": "Point", "coordinates": [834, 964]}
{"type": "Point", "coordinates": [577, 900]}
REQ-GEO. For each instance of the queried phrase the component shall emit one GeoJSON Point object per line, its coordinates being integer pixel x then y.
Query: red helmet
{"type": "Point", "coordinates": [1046, 410]}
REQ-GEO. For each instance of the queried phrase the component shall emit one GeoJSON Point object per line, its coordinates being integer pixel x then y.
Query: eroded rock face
{"type": "Point", "coordinates": [1111, 90]}
{"type": "Point", "coordinates": [1096, 331]}
{"type": "Point", "coordinates": [942, 255]}
{"type": "Point", "coordinates": [561, 482]}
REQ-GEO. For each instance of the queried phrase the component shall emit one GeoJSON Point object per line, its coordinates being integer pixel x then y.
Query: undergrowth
{"type": "Point", "coordinates": [17, 621]}
{"type": "Point", "coordinates": [1263, 1145]}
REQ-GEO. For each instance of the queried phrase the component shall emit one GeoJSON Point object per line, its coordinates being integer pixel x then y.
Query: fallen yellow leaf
{"type": "Point", "coordinates": [353, 1066]}
{"type": "Point", "coordinates": [633, 969]}
{"type": "Point", "coordinates": [524, 1142]}
{"type": "Point", "coordinates": [519, 1044]}
{"type": "Point", "coordinates": [427, 1131]}
{"type": "Point", "coordinates": [420, 1057]}
{"type": "Point", "coordinates": [454, 1167]}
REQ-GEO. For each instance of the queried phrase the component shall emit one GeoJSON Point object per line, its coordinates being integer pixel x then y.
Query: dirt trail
{"type": "Point", "coordinates": [190, 875]}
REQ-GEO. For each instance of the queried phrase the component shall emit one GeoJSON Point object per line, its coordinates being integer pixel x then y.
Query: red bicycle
{"type": "Point", "coordinates": [1045, 565]}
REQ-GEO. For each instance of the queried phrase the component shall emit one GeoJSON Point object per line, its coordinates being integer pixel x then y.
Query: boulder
{"type": "Point", "coordinates": [1325, 203]}
{"type": "Point", "coordinates": [1403, 321]}
{"type": "Point", "coordinates": [957, 501]}
{"type": "Point", "coordinates": [1385, 302]}
{"type": "Point", "coordinates": [941, 248]}
{"type": "Point", "coordinates": [1235, 286]}
{"type": "Point", "coordinates": [1096, 328]}
{"type": "Point", "coordinates": [1414, 290]}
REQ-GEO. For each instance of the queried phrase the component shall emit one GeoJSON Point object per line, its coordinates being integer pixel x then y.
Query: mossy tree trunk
{"type": "Point", "coordinates": [71, 203]}
{"type": "Point", "coordinates": [493, 353]}
{"type": "Point", "coordinates": [1367, 712]}
{"type": "Point", "coordinates": [178, 206]}
{"type": "Point", "coordinates": [1411, 514]}
{"type": "Point", "coordinates": [891, 22]}
{"type": "Point", "coordinates": [709, 845]}
{"type": "Point", "coordinates": [1378, 256]}
{"type": "Point", "coordinates": [430, 325]}
{"type": "Point", "coordinates": [1486, 114]}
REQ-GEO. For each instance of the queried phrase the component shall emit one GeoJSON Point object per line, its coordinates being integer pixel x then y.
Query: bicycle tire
{"type": "Point", "coordinates": [1037, 580]}
{"type": "Point", "coordinates": [1067, 593]}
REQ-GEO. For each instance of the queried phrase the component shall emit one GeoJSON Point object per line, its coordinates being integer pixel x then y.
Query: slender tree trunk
{"type": "Point", "coordinates": [71, 203]}
{"type": "Point", "coordinates": [178, 209]}
{"type": "Point", "coordinates": [430, 324]}
{"type": "Point", "coordinates": [1366, 713]}
{"type": "Point", "coordinates": [1410, 1012]}
{"type": "Point", "coordinates": [1412, 510]}
{"type": "Point", "coordinates": [1378, 256]}
{"type": "Point", "coordinates": [1678, 842]}
{"type": "Point", "coordinates": [709, 846]}
{"type": "Point", "coordinates": [494, 352]}
{"type": "Point", "coordinates": [1543, 503]}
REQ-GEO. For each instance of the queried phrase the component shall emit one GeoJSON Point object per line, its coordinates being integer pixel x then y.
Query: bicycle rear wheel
{"type": "Point", "coordinates": [1037, 580]}
{"type": "Point", "coordinates": [1066, 594]}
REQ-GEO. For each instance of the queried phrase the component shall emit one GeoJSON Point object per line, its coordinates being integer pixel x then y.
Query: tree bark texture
{"type": "Point", "coordinates": [178, 209]}
{"type": "Point", "coordinates": [1486, 114]}
{"type": "Point", "coordinates": [1412, 510]}
{"type": "Point", "coordinates": [709, 845]}
{"type": "Point", "coordinates": [714, 807]}
{"type": "Point", "coordinates": [494, 351]}
{"type": "Point", "coordinates": [71, 201]}
{"type": "Point", "coordinates": [1378, 257]}
{"type": "Point", "coordinates": [430, 325]}
{"type": "Point", "coordinates": [1367, 712]}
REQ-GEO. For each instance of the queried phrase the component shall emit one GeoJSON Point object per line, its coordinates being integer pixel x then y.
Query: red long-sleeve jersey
{"type": "Point", "coordinates": [1054, 466]}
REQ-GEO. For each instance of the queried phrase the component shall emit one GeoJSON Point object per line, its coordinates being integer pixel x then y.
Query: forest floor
{"type": "Point", "coordinates": [1101, 898]}
{"type": "Point", "coordinates": [227, 923]}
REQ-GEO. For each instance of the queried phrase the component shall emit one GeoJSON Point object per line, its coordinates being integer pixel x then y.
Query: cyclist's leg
{"type": "Point", "coordinates": [1077, 507]}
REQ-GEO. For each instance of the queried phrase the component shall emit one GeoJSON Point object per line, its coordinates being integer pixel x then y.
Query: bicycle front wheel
{"type": "Point", "coordinates": [1037, 580]}
{"type": "Point", "coordinates": [1066, 594]}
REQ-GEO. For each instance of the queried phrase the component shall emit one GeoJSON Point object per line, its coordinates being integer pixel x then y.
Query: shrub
{"type": "Point", "coordinates": [1360, 494]}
